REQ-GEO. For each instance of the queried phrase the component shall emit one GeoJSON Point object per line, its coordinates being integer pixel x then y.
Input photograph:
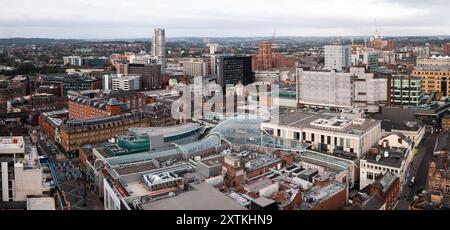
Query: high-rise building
{"type": "Point", "coordinates": [265, 61]}
{"type": "Point", "coordinates": [159, 46]}
{"type": "Point", "coordinates": [151, 74]}
{"type": "Point", "coordinates": [213, 48]}
{"type": "Point", "coordinates": [195, 68]}
{"type": "Point", "coordinates": [234, 69]}
{"type": "Point", "coordinates": [338, 57]}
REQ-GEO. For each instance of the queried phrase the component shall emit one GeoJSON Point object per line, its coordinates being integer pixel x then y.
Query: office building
{"type": "Point", "coordinates": [434, 79]}
{"type": "Point", "coordinates": [355, 89]}
{"type": "Point", "coordinates": [371, 58]}
{"type": "Point", "coordinates": [195, 68]}
{"type": "Point", "coordinates": [73, 61]}
{"type": "Point", "coordinates": [434, 62]}
{"type": "Point", "coordinates": [126, 82]}
{"type": "Point", "coordinates": [338, 57]}
{"type": "Point", "coordinates": [405, 90]}
{"type": "Point", "coordinates": [159, 46]}
{"type": "Point", "coordinates": [234, 69]}
{"type": "Point", "coordinates": [151, 74]}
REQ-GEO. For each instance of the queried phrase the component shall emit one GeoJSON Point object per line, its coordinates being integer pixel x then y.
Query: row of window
{"type": "Point", "coordinates": [370, 166]}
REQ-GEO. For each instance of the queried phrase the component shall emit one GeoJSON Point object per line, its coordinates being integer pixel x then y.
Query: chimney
{"type": "Point", "coordinates": [385, 144]}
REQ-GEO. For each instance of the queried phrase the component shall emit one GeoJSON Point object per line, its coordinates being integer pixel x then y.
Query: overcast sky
{"type": "Point", "coordinates": [201, 18]}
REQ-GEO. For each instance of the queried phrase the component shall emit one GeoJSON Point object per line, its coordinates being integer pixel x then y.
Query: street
{"type": "Point", "coordinates": [419, 170]}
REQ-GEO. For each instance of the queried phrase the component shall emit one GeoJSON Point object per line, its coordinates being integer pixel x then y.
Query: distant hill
{"type": "Point", "coordinates": [36, 41]}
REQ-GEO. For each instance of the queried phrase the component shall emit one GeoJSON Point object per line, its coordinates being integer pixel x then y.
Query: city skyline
{"type": "Point", "coordinates": [116, 19]}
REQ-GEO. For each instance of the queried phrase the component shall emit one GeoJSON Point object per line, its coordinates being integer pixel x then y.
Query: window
{"type": "Point", "coordinates": [296, 136]}
{"type": "Point", "coordinates": [369, 176]}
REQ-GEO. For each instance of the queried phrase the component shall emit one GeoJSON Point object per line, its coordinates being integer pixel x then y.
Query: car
{"type": "Point", "coordinates": [412, 181]}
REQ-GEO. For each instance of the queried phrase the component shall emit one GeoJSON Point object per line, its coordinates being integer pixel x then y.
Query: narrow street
{"type": "Point", "coordinates": [419, 170]}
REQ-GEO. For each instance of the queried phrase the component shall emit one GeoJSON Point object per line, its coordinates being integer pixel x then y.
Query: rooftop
{"type": "Point", "coordinates": [320, 194]}
{"type": "Point", "coordinates": [202, 197]}
{"type": "Point", "coordinates": [10, 145]}
{"type": "Point", "coordinates": [349, 123]}
{"type": "Point", "coordinates": [41, 203]}
{"type": "Point", "coordinates": [391, 157]}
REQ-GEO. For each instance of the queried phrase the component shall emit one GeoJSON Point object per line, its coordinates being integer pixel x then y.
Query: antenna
{"type": "Point", "coordinates": [273, 37]}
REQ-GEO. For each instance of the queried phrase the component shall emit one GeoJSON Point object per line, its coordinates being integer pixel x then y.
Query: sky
{"type": "Point", "coordinates": [115, 19]}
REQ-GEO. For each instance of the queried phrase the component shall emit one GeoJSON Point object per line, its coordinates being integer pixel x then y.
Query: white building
{"type": "Point", "coordinates": [126, 82]}
{"type": "Point", "coordinates": [355, 89]}
{"type": "Point", "coordinates": [195, 68]}
{"type": "Point", "coordinates": [338, 57]}
{"type": "Point", "coordinates": [21, 174]}
{"type": "Point", "coordinates": [73, 60]}
{"type": "Point", "coordinates": [346, 133]}
{"type": "Point", "coordinates": [159, 46]}
{"type": "Point", "coordinates": [213, 48]}
{"type": "Point", "coordinates": [392, 154]}
{"type": "Point", "coordinates": [107, 81]}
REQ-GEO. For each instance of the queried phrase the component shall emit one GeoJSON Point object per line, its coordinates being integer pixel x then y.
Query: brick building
{"type": "Point", "coordinates": [388, 189]}
{"type": "Point", "coordinates": [439, 171]}
{"type": "Point", "coordinates": [50, 122]}
{"type": "Point", "coordinates": [77, 133]}
{"type": "Point", "coordinates": [83, 107]}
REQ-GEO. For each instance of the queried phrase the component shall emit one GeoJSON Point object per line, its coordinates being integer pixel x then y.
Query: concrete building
{"type": "Point", "coordinates": [126, 82]}
{"type": "Point", "coordinates": [355, 89]}
{"type": "Point", "coordinates": [159, 46]}
{"type": "Point", "coordinates": [372, 60]}
{"type": "Point", "coordinates": [393, 154]}
{"type": "Point", "coordinates": [405, 90]}
{"type": "Point", "coordinates": [346, 134]}
{"type": "Point", "coordinates": [195, 68]}
{"type": "Point", "coordinates": [338, 57]}
{"type": "Point", "coordinates": [21, 173]}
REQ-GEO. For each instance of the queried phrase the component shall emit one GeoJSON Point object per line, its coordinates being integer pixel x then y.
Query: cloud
{"type": "Point", "coordinates": [136, 18]}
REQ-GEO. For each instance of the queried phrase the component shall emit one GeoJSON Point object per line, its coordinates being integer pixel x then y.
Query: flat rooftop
{"type": "Point", "coordinates": [132, 169]}
{"type": "Point", "coordinates": [394, 158]}
{"type": "Point", "coordinates": [9, 145]}
{"type": "Point", "coordinates": [41, 203]}
{"type": "Point", "coordinates": [202, 197]}
{"type": "Point", "coordinates": [327, 121]}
